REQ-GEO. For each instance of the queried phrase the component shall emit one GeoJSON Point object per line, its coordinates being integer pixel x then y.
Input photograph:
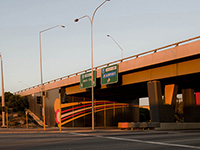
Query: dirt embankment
{"type": "Point", "coordinates": [18, 120]}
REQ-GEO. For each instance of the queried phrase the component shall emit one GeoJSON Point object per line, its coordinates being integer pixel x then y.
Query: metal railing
{"type": "Point", "coordinates": [113, 62]}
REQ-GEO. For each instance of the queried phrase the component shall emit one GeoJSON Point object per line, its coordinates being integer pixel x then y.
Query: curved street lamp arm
{"type": "Point", "coordinates": [52, 28]}
{"type": "Point", "coordinates": [116, 43]}
{"type": "Point", "coordinates": [91, 19]}
{"type": "Point", "coordinates": [98, 8]}
{"type": "Point", "coordinates": [76, 20]}
{"type": "Point", "coordinates": [24, 83]}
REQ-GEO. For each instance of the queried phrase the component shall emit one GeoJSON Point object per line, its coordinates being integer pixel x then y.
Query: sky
{"type": "Point", "coordinates": [136, 25]}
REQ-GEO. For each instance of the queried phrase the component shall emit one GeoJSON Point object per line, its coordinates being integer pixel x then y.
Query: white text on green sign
{"type": "Point", "coordinates": [109, 74]}
{"type": "Point", "coordinates": [86, 78]}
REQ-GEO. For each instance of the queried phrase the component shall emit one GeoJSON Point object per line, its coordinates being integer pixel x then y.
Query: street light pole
{"type": "Point", "coordinates": [117, 45]}
{"type": "Point", "coordinates": [24, 83]}
{"type": "Point", "coordinates": [42, 86]}
{"type": "Point", "coordinates": [91, 22]}
{"type": "Point", "coordinates": [2, 97]}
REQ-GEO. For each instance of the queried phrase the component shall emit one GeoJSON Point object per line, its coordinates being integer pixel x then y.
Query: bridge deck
{"type": "Point", "coordinates": [154, 57]}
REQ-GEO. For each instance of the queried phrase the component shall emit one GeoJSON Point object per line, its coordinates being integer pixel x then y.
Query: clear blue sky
{"type": "Point", "coordinates": [137, 25]}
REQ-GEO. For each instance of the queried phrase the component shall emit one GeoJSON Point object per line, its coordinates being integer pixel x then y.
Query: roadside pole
{"type": "Point", "coordinates": [60, 109]}
{"type": "Point", "coordinates": [26, 120]}
{"type": "Point", "coordinates": [7, 119]}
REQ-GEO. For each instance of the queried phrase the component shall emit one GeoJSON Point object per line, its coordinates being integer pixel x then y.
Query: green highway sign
{"type": "Point", "coordinates": [86, 78]}
{"type": "Point", "coordinates": [109, 74]}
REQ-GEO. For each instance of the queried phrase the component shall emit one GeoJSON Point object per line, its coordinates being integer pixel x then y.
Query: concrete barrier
{"type": "Point", "coordinates": [131, 125]}
{"type": "Point", "coordinates": [179, 126]}
{"type": "Point", "coordinates": [159, 126]}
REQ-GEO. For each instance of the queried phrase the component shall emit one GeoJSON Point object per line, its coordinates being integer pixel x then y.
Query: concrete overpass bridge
{"type": "Point", "coordinates": [168, 70]}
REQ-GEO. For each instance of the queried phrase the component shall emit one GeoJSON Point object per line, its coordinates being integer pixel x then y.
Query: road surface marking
{"type": "Point", "coordinates": [184, 140]}
{"type": "Point", "coordinates": [140, 141]}
{"type": "Point", "coordinates": [151, 142]}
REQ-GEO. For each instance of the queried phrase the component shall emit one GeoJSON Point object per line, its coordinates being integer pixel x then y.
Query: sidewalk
{"type": "Point", "coordinates": [54, 130]}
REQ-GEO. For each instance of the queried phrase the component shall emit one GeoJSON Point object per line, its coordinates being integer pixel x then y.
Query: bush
{"type": "Point", "coordinates": [144, 115]}
{"type": "Point", "coordinates": [142, 118]}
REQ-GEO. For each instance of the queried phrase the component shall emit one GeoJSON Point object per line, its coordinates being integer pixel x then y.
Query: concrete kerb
{"type": "Point", "coordinates": [179, 126]}
{"type": "Point", "coordinates": [159, 126]}
{"type": "Point", "coordinates": [54, 130]}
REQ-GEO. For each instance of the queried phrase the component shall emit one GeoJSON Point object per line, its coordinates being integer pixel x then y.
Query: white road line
{"type": "Point", "coordinates": [74, 133]}
{"type": "Point", "coordinates": [151, 142]}
{"type": "Point", "coordinates": [182, 140]}
{"type": "Point", "coordinates": [140, 141]}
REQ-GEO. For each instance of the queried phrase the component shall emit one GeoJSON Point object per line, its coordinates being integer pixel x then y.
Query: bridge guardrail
{"type": "Point", "coordinates": [113, 62]}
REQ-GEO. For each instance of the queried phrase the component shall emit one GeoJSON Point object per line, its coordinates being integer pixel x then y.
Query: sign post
{"type": "Point", "coordinates": [109, 74]}
{"type": "Point", "coordinates": [86, 78]}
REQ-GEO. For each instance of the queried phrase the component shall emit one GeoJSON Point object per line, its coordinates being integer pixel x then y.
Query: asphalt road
{"type": "Point", "coordinates": [100, 140]}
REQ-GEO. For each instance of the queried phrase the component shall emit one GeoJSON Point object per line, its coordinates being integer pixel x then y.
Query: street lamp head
{"type": "Point", "coordinates": [63, 26]}
{"type": "Point", "coordinates": [108, 35]}
{"type": "Point", "coordinates": [107, 0]}
{"type": "Point", "coordinates": [76, 20]}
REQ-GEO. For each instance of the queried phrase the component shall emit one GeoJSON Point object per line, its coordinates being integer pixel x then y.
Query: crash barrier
{"type": "Point", "coordinates": [141, 125]}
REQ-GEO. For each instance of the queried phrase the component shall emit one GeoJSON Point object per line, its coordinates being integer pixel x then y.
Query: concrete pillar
{"type": "Point", "coordinates": [167, 111]}
{"type": "Point", "coordinates": [170, 94]}
{"type": "Point", "coordinates": [135, 112]}
{"type": "Point", "coordinates": [155, 99]}
{"type": "Point", "coordinates": [189, 105]}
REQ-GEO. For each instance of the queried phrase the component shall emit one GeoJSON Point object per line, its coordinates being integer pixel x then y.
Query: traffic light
{"type": "Point", "coordinates": [64, 98]}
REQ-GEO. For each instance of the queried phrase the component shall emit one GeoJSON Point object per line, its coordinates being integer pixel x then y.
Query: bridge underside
{"type": "Point", "coordinates": [134, 85]}
{"type": "Point", "coordinates": [138, 90]}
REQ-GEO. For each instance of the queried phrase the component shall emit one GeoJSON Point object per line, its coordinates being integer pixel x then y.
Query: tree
{"type": "Point", "coordinates": [15, 101]}
{"type": "Point", "coordinates": [7, 95]}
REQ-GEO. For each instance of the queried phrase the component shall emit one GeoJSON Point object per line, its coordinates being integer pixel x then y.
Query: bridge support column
{"type": "Point", "coordinates": [135, 113]}
{"type": "Point", "coordinates": [155, 99]}
{"type": "Point", "coordinates": [189, 105]}
{"type": "Point", "coordinates": [168, 108]}
{"type": "Point", "coordinates": [160, 111]}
